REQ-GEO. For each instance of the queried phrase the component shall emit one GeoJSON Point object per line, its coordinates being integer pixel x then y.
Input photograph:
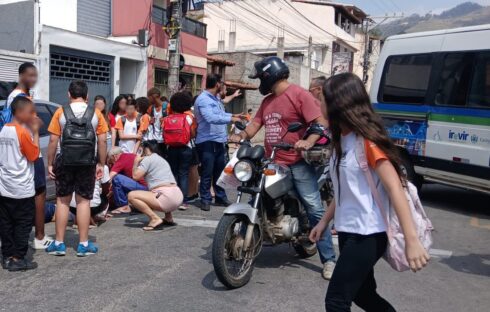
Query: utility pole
{"type": "Point", "coordinates": [365, 63]}
{"type": "Point", "coordinates": [174, 46]}
{"type": "Point", "coordinates": [280, 42]}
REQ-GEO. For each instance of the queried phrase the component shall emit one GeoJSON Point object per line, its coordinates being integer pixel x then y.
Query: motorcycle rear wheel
{"type": "Point", "coordinates": [233, 266]}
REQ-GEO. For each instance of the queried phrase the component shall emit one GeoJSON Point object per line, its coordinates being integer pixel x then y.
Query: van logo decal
{"type": "Point", "coordinates": [474, 139]}
{"type": "Point", "coordinates": [458, 136]}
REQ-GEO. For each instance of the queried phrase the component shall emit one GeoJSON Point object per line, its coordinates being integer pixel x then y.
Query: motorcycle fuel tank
{"type": "Point", "coordinates": [279, 184]}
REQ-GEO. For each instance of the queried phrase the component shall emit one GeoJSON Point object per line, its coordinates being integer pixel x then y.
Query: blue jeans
{"type": "Point", "coordinates": [121, 186]}
{"type": "Point", "coordinates": [306, 185]}
{"type": "Point", "coordinates": [212, 156]}
{"type": "Point", "coordinates": [180, 159]}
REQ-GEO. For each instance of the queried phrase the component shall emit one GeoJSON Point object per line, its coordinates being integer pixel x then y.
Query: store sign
{"type": "Point", "coordinates": [341, 62]}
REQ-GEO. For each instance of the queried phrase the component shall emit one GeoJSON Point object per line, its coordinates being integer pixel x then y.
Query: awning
{"type": "Point", "coordinates": [240, 85]}
{"type": "Point", "coordinates": [218, 60]}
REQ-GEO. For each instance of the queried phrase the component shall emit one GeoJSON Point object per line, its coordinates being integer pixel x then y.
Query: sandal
{"type": "Point", "coordinates": [150, 228]}
{"type": "Point", "coordinates": [168, 223]}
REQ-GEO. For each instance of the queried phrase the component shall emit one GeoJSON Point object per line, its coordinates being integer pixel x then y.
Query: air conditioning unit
{"type": "Point", "coordinates": [143, 37]}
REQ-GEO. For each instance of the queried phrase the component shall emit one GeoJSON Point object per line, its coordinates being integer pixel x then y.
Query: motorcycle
{"type": "Point", "coordinates": [274, 215]}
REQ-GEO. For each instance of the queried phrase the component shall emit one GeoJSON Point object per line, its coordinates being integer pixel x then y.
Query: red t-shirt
{"type": "Point", "coordinates": [277, 112]}
{"type": "Point", "coordinates": [124, 166]}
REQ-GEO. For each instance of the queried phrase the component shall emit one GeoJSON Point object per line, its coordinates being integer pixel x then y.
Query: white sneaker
{"type": "Point", "coordinates": [328, 268]}
{"type": "Point", "coordinates": [41, 244]}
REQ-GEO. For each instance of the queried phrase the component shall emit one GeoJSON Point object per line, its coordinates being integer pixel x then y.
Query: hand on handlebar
{"type": "Point", "coordinates": [302, 145]}
{"type": "Point", "coordinates": [234, 138]}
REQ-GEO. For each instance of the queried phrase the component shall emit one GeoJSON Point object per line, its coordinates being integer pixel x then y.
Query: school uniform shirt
{"type": "Point", "coordinates": [144, 125]}
{"type": "Point", "coordinates": [356, 210]}
{"type": "Point", "coordinates": [58, 121]}
{"type": "Point", "coordinates": [16, 164]}
{"type": "Point", "coordinates": [130, 127]}
{"type": "Point", "coordinates": [155, 131]}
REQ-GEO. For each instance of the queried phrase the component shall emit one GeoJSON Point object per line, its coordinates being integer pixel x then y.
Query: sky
{"type": "Point", "coordinates": [407, 7]}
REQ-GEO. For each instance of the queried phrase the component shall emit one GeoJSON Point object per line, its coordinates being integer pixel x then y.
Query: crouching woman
{"type": "Point", "coordinates": [163, 195]}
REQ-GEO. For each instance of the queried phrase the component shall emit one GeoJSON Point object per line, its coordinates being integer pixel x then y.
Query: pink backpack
{"type": "Point", "coordinates": [395, 252]}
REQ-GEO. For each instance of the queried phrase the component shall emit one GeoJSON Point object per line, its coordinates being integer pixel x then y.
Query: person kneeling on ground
{"type": "Point", "coordinates": [164, 194]}
{"type": "Point", "coordinates": [121, 174]}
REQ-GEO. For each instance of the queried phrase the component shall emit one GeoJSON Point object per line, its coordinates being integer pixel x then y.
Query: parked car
{"type": "Point", "coordinates": [433, 91]}
{"type": "Point", "coordinates": [45, 111]}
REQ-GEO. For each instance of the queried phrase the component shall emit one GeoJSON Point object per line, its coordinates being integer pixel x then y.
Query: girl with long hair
{"type": "Point", "coordinates": [101, 104]}
{"type": "Point", "coordinates": [117, 111]}
{"type": "Point", "coordinates": [358, 221]}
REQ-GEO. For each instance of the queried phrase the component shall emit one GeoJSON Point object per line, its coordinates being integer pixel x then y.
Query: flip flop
{"type": "Point", "coordinates": [168, 223]}
{"type": "Point", "coordinates": [151, 228]}
{"type": "Point", "coordinates": [119, 212]}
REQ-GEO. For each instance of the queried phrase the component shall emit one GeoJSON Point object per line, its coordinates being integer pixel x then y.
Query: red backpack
{"type": "Point", "coordinates": [176, 130]}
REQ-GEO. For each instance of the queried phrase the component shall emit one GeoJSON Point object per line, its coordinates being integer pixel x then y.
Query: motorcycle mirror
{"type": "Point", "coordinates": [295, 126]}
{"type": "Point", "coordinates": [240, 126]}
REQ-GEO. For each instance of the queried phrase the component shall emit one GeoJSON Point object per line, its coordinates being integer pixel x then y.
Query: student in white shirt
{"type": "Point", "coordinates": [360, 226]}
{"type": "Point", "coordinates": [128, 129]}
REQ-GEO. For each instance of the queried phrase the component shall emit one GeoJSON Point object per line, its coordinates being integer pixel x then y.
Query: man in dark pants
{"type": "Point", "coordinates": [211, 137]}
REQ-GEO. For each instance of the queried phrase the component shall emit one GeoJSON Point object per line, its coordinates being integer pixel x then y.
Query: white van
{"type": "Point", "coordinates": [433, 92]}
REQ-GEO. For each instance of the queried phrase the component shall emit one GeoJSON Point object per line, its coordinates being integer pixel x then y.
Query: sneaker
{"type": "Point", "coordinates": [328, 268]}
{"type": "Point", "coordinates": [184, 206]}
{"type": "Point", "coordinates": [83, 251]}
{"type": "Point", "coordinates": [21, 265]}
{"type": "Point", "coordinates": [192, 198]}
{"type": "Point", "coordinates": [205, 206]}
{"type": "Point", "coordinates": [5, 263]}
{"type": "Point", "coordinates": [223, 202]}
{"type": "Point", "coordinates": [54, 250]}
{"type": "Point", "coordinates": [41, 244]}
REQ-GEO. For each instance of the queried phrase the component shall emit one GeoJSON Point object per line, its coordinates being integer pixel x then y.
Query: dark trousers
{"type": "Point", "coordinates": [16, 219]}
{"type": "Point", "coordinates": [180, 159]}
{"type": "Point", "coordinates": [212, 156]}
{"type": "Point", "coordinates": [353, 277]}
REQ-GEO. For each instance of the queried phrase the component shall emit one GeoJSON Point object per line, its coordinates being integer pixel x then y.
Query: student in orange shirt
{"type": "Point", "coordinates": [130, 129]}
{"type": "Point", "coordinates": [19, 148]}
{"type": "Point", "coordinates": [142, 105]}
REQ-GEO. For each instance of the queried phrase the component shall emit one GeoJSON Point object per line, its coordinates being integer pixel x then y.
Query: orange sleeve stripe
{"type": "Point", "coordinates": [145, 122]}
{"type": "Point", "coordinates": [102, 126]}
{"type": "Point", "coordinates": [373, 153]}
{"type": "Point", "coordinates": [54, 125]}
{"type": "Point", "coordinates": [119, 125]}
{"type": "Point", "coordinates": [27, 146]}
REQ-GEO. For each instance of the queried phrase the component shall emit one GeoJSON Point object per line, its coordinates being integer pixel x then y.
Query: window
{"type": "Point", "coordinates": [159, 15]}
{"type": "Point", "coordinates": [454, 79]}
{"type": "Point", "coordinates": [161, 80]}
{"type": "Point", "coordinates": [406, 79]}
{"type": "Point", "coordinates": [44, 114]}
{"type": "Point", "coordinates": [479, 94]}
{"type": "Point", "coordinates": [198, 85]}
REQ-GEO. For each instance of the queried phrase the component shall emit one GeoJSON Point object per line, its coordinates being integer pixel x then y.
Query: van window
{"type": "Point", "coordinates": [406, 79]}
{"type": "Point", "coordinates": [454, 79]}
{"type": "Point", "coordinates": [480, 83]}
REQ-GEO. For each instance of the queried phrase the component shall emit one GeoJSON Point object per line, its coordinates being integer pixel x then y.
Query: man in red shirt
{"type": "Point", "coordinates": [122, 182]}
{"type": "Point", "coordinates": [284, 104]}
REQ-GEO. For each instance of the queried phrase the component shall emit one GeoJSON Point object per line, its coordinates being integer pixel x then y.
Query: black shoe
{"type": "Point", "coordinates": [222, 202]}
{"type": "Point", "coordinates": [205, 206]}
{"type": "Point", "coordinates": [193, 197]}
{"type": "Point", "coordinates": [5, 263]}
{"type": "Point", "coordinates": [21, 265]}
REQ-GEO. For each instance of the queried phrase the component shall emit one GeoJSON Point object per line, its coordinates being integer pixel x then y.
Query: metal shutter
{"type": "Point", "coordinates": [67, 66]}
{"type": "Point", "coordinates": [9, 69]}
{"type": "Point", "coordinates": [94, 17]}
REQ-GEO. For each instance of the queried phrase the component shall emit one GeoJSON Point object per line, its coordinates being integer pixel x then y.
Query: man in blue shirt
{"type": "Point", "coordinates": [212, 134]}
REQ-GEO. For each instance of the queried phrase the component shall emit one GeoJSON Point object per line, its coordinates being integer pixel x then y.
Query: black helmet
{"type": "Point", "coordinates": [269, 70]}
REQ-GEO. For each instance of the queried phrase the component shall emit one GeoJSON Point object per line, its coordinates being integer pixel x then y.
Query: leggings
{"type": "Point", "coordinates": [353, 277]}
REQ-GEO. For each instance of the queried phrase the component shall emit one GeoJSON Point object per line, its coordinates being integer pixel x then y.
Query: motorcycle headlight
{"type": "Point", "coordinates": [243, 171]}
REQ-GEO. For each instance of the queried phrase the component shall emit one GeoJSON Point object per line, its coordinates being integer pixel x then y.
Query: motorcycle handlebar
{"type": "Point", "coordinates": [283, 146]}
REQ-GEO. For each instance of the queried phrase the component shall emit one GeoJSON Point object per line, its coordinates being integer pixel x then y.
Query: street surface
{"type": "Point", "coordinates": [171, 270]}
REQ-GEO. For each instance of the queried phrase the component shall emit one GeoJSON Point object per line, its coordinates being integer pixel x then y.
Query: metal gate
{"type": "Point", "coordinates": [68, 65]}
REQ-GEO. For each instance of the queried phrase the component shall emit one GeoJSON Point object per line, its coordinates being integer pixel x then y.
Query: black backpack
{"type": "Point", "coordinates": [78, 141]}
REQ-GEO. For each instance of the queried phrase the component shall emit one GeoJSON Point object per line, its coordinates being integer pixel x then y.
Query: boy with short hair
{"type": "Point", "coordinates": [27, 80]}
{"type": "Point", "coordinates": [130, 128]}
{"type": "Point", "coordinates": [19, 148]}
{"type": "Point", "coordinates": [74, 172]}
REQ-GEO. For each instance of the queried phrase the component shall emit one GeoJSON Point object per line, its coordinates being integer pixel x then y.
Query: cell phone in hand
{"type": "Point", "coordinates": [158, 194]}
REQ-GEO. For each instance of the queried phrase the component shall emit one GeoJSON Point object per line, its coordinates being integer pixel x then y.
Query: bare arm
{"type": "Point", "coordinates": [416, 254]}
{"type": "Point", "coordinates": [313, 138]}
{"type": "Point", "coordinates": [138, 173]}
{"type": "Point", "coordinates": [123, 136]}
{"type": "Point", "coordinates": [317, 232]}
{"type": "Point", "coordinates": [52, 146]}
{"type": "Point", "coordinates": [248, 133]}
{"type": "Point", "coordinates": [230, 98]}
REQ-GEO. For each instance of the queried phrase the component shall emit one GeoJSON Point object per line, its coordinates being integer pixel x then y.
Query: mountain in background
{"type": "Point", "coordinates": [465, 14]}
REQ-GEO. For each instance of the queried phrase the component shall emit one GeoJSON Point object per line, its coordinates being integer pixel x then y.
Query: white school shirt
{"type": "Point", "coordinates": [130, 127]}
{"type": "Point", "coordinates": [155, 130]}
{"type": "Point", "coordinates": [355, 211]}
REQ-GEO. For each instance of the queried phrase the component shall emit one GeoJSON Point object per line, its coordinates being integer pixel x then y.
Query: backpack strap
{"type": "Point", "coordinates": [360, 152]}
{"type": "Point", "coordinates": [123, 121]}
{"type": "Point", "coordinates": [89, 113]}
{"type": "Point", "coordinates": [138, 121]}
{"type": "Point", "coordinates": [68, 112]}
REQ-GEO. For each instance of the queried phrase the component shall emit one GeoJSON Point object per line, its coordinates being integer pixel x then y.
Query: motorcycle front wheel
{"type": "Point", "coordinates": [233, 266]}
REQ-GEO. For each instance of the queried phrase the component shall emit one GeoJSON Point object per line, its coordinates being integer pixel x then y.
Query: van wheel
{"type": "Point", "coordinates": [409, 171]}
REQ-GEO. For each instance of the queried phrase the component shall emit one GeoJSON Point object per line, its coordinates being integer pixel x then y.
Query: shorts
{"type": "Point", "coordinates": [78, 179]}
{"type": "Point", "coordinates": [170, 197]}
{"type": "Point", "coordinates": [195, 157]}
{"type": "Point", "coordinates": [39, 176]}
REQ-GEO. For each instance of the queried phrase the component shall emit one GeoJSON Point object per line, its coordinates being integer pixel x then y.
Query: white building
{"type": "Point", "coordinates": [71, 40]}
{"type": "Point", "coordinates": [265, 26]}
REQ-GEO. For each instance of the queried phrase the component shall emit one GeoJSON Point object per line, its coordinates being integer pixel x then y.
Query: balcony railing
{"type": "Point", "coordinates": [190, 26]}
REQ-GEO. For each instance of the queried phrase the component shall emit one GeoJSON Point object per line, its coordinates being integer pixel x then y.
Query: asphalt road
{"type": "Point", "coordinates": [170, 270]}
